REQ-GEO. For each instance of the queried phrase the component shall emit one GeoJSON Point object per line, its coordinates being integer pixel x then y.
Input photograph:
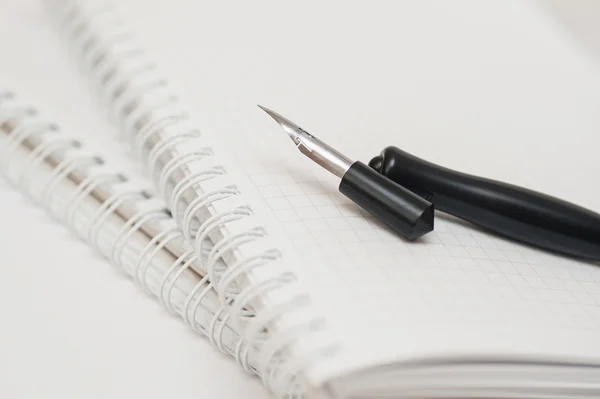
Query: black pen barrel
{"type": "Point", "coordinates": [508, 210]}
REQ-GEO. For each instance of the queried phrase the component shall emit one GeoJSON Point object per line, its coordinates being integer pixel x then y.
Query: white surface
{"type": "Point", "coordinates": [465, 84]}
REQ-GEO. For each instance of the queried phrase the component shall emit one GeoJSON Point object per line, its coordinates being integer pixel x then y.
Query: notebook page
{"type": "Point", "coordinates": [496, 89]}
{"type": "Point", "coordinates": [72, 326]}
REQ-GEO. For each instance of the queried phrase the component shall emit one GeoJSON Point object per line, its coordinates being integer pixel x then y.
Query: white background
{"type": "Point", "coordinates": [71, 327]}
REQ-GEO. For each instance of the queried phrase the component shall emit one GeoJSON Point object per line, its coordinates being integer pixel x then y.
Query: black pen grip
{"type": "Point", "coordinates": [403, 211]}
{"type": "Point", "coordinates": [508, 210]}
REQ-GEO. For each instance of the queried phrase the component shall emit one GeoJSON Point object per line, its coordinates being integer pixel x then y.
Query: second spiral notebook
{"type": "Point", "coordinates": [328, 302]}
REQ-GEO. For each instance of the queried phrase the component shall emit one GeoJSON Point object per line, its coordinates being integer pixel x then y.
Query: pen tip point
{"type": "Point", "coordinates": [278, 118]}
{"type": "Point", "coordinates": [267, 110]}
{"type": "Point", "coordinates": [290, 127]}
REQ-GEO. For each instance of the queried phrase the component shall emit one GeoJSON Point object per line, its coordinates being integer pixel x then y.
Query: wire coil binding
{"type": "Point", "coordinates": [152, 120]}
{"type": "Point", "coordinates": [55, 173]}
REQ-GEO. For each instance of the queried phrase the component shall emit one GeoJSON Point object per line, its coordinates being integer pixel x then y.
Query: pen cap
{"type": "Point", "coordinates": [403, 211]}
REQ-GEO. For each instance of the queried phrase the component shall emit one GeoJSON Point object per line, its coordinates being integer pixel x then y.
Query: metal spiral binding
{"type": "Point", "coordinates": [126, 226]}
{"type": "Point", "coordinates": [150, 117]}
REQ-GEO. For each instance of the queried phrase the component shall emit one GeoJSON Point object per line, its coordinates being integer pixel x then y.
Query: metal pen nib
{"type": "Point", "coordinates": [321, 153]}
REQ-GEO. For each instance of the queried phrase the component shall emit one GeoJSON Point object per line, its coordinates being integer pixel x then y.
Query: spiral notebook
{"type": "Point", "coordinates": [328, 302]}
{"type": "Point", "coordinates": [117, 215]}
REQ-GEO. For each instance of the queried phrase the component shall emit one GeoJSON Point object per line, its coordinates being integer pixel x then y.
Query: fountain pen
{"type": "Point", "coordinates": [403, 190]}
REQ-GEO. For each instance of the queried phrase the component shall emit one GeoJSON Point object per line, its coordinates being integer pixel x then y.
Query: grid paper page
{"type": "Point", "coordinates": [496, 89]}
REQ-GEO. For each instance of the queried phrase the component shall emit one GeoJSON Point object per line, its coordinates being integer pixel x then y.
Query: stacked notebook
{"type": "Point", "coordinates": [256, 250]}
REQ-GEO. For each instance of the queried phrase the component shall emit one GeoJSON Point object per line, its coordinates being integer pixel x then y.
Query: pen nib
{"type": "Point", "coordinates": [312, 147]}
{"type": "Point", "coordinates": [294, 131]}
